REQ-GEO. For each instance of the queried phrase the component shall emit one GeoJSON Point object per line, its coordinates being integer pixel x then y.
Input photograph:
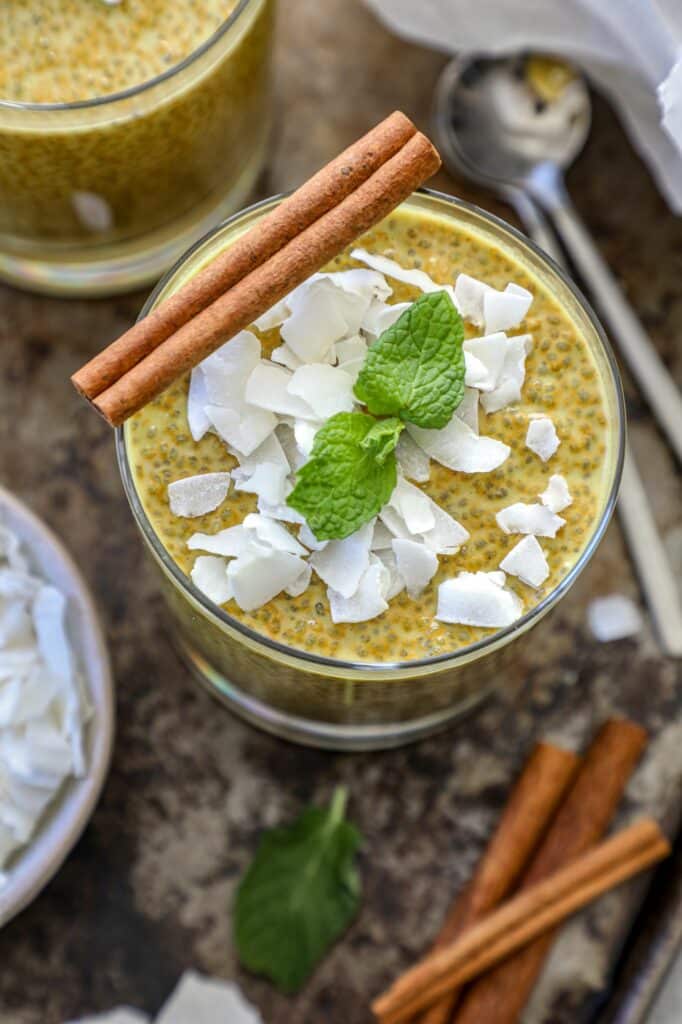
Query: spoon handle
{"type": "Point", "coordinates": [650, 374]}
{"type": "Point", "coordinates": [647, 550]}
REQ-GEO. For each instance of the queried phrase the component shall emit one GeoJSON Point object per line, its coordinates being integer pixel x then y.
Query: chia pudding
{"type": "Point", "coordinates": [568, 379]}
{"type": "Point", "coordinates": [126, 130]}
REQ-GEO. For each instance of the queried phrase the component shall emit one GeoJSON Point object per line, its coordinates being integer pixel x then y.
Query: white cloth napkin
{"type": "Point", "coordinates": [630, 49]}
{"type": "Point", "coordinates": [196, 1000]}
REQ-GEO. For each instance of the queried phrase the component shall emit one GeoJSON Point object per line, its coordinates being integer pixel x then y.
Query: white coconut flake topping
{"type": "Point", "coordinates": [467, 410]}
{"type": "Point", "coordinates": [413, 460]}
{"type": "Point", "coordinates": [542, 437]}
{"type": "Point", "coordinates": [286, 356]}
{"type": "Point", "coordinates": [268, 388]}
{"type": "Point", "coordinates": [327, 390]}
{"type": "Point", "coordinates": [230, 543]}
{"type": "Point", "coordinates": [415, 563]}
{"type": "Point", "coordinates": [413, 506]}
{"type": "Point", "coordinates": [557, 496]}
{"type": "Point", "coordinates": [459, 448]}
{"type": "Point", "coordinates": [478, 599]}
{"type": "Point", "coordinates": [505, 310]}
{"type": "Point", "coordinates": [197, 400]}
{"type": "Point", "coordinates": [527, 561]}
{"type": "Point", "coordinates": [198, 495]}
{"type": "Point", "coordinates": [268, 480]}
{"type": "Point", "coordinates": [42, 707]}
{"type": "Point", "coordinates": [261, 573]}
{"type": "Point", "coordinates": [417, 278]}
{"type": "Point", "coordinates": [368, 600]}
{"type": "Point", "coordinates": [341, 563]}
{"type": "Point", "coordinates": [209, 575]}
{"type": "Point", "coordinates": [512, 377]}
{"type": "Point", "coordinates": [531, 519]}
{"type": "Point", "coordinates": [380, 316]}
{"type": "Point", "coordinates": [613, 618]}
{"type": "Point", "coordinates": [484, 360]}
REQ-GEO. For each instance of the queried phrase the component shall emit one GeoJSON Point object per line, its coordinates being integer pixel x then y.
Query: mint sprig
{"type": "Point", "coordinates": [415, 370]}
{"type": "Point", "coordinates": [350, 475]}
{"type": "Point", "coordinates": [301, 891]}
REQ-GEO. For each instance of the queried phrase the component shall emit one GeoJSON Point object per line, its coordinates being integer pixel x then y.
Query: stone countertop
{"type": "Point", "coordinates": [147, 891]}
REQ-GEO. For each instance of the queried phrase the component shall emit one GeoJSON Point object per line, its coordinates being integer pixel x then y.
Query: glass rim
{"type": "Point", "coordinates": [501, 636]}
{"type": "Point", "coordinates": [148, 83]}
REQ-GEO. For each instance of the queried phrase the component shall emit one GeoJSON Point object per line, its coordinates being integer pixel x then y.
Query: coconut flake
{"type": "Point", "coordinates": [327, 390]}
{"type": "Point", "coordinates": [413, 506]}
{"type": "Point", "coordinates": [382, 538]}
{"type": "Point", "coordinates": [369, 599]}
{"type": "Point", "coordinates": [285, 356]}
{"type": "Point", "coordinates": [327, 308]}
{"type": "Point", "coordinates": [230, 543]}
{"type": "Point", "coordinates": [394, 584]}
{"type": "Point", "coordinates": [527, 561]}
{"type": "Point", "coordinates": [351, 350]}
{"type": "Point", "coordinates": [197, 400]}
{"type": "Point", "coordinates": [270, 451]}
{"type": "Point", "coordinates": [209, 575]}
{"type": "Point", "coordinates": [415, 563]}
{"type": "Point", "coordinates": [243, 428]}
{"type": "Point", "coordinates": [459, 448]}
{"type": "Point", "coordinates": [417, 278]}
{"type": "Point", "coordinates": [304, 434]}
{"type": "Point", "coordinates": [341, 563]}
{"type": "Point", "coordinates": [273, 317]}
{"type": "Point", "coordinates": [261, 573]}
{"type": "Point", "coordinates": [301, 583]}
{"type": "Point", "coordinates": [227, 370]}
{"type": "Point", "coordinates": [533, 519]}
{"type": "Point", "coordinates": [613, 617]}
{"type": "Point", "coordinates": [447, 535]}
{"type": "Point", "coordinates": [271, 533]}
{"type": "Point", "coordinates": [484, 359]}
{"type": "Point", "coordinates": [505, 310]}
{"type": "Point", "coordinates": [268, 480]}
{"type": "Point", "coordinates": [557, 496]}
{"type": "Point", "coordinates": [380, 316]}
{"type": "Point", "coordinates": [283, 512]}
{"type": "Point", "coordinates": [201, 1000]}
{"type": "Point", "coordinates": [478, 599]}
{"type": "Point", "coordinates": [542, 437]}
{"type": "Point", "coordinates": [467, 410]}
{"type": "Point", "coordinates": [268, 388]}
{"type": "Point", "coordinates": [307, 537]}
{"type": "Point", "coordinates": [413, 460]}
{"type": "Point", "coordinates": [198, 495]}
{"type": "Point", "coordinates": [512, 377]}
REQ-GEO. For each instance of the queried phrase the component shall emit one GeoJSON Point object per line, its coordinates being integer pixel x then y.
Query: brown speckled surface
{"type": "Point", "coordinates": [147, 891]}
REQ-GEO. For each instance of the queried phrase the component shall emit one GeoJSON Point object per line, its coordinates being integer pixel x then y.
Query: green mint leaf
{"type": "Point", "coordinates": [346, 481]}
{"type": "Point", "coordinates": [382, 438]}
{"type": "Point", "coordinates": [301, 891]}
{"type": "Point", "coordinates": [415, 369]}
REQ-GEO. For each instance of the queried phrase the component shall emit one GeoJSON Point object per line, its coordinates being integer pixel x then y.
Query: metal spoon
{"type": "Point", "coordinates": [493, 127]}
{"type": "Point", "coordinates": [645, 543]}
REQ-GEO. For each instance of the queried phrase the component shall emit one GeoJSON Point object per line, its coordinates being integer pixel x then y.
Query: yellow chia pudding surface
{"type": "Point", "coordinates": [562, 381]}
{"type": "Point", "coordinates": [63, 51]}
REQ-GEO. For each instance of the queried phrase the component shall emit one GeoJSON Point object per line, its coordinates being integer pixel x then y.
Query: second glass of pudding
{"type": "Point", "coordinates": [286, 666]}
{"type": "Point", "coordinates": [127, 130]}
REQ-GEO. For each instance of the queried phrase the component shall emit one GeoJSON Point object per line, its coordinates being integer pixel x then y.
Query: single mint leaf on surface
{"type": "Point", "coordinates": [382, 438]}
{"type": "Point", "coordinates": [345, 483]}
{"type": "Point", "coordinates": [415, 369]}
{"type": "Point", "coordinates": [301, 891]}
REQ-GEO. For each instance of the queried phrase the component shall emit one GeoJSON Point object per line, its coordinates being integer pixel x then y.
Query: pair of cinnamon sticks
{"type": "Point", "coordinates": [303, 233]}
{"type": "Point", "coordinates": [558, 810]}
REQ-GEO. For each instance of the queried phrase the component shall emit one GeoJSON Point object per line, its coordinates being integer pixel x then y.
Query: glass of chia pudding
{"type": "Point", "coordinates": [127, 130]}
{"type": "Point", "coordinates": [394, 629]}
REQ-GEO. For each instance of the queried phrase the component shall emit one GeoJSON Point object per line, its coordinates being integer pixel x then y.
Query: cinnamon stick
{"type": "Point", "coordinates": [500, 996]}
{"type": "Point", "coordinates": [524, 917]}
{"type": "Point", "coordinates": [298, 211]}
{"type": "Point", "coordinates": [533, 802]}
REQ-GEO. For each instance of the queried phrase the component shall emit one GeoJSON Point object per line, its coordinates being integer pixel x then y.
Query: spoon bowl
{"type": "Point", "coordinates": [494, 126]}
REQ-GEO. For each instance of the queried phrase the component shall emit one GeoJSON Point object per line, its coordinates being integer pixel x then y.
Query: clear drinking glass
{"type": "Point", "coordinates": [102, 195]}
{"type": "Point", "coordinates": [359, 706]}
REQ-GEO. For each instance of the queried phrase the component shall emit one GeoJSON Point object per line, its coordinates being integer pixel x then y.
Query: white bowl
{"type": "Point", "coordinates": [32, 867]}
